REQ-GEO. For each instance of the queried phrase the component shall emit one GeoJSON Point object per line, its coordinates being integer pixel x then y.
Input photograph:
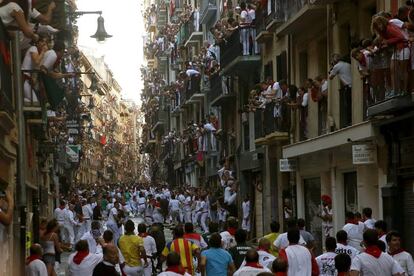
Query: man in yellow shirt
{"type": "Point", "coordinates": [185, 248]}
{"type": "Point", "coordinates": [274, 228]}
{"type": "Point", "coordinates": [132, 248]}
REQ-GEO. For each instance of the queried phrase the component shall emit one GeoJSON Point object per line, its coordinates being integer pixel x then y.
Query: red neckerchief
{"type": "Point", "coordinates": [263, 249]}
{"type": "Point", "coordinates": [352, 221]}
{"type": "Point", "coordinates": [232, 230]}
{"type": "Point", "coordinates": [396, 252]}
{"type": "Point", "coordinates": [363, 62]}
{"type": "Point", "coordinates": [192, 236]}
{"type": "Point", "coordinates": [374, 251]}
{"type": "Point", "coordinates": [253, 264]}
{"type": "Point", "coordinates": [61, 207]}
{"type": "Point", "coordinates": [280, 273]}
{"type": "Point", "coordinates": [143, 235]}
{"type": "Point", "coordinates": [79, 256]}
{"type": "Point", "coordinates": [177, 269]}
{"type": "Point", "coordinates": [32, 258]}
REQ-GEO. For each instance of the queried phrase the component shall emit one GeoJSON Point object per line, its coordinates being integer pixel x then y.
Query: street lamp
{"type": "Point", "coordinates": [101, 34]}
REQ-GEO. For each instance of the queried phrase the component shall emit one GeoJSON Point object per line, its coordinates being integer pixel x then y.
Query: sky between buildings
{"type": "Point", "coordinates": [123, 52]}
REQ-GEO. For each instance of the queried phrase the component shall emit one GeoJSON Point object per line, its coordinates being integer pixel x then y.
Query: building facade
{"type": "Point", "coordinates": [352, 146]}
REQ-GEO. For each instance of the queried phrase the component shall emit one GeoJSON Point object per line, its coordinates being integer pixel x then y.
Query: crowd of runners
{"type": "Point", "coordinates": [147, 230]}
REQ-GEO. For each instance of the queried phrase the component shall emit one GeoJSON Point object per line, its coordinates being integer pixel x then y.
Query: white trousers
{"type": "Point", "coordinates": [244, 38]}
{"type": "Point", "coordinates": [187, 216]}
{"type": "Point", "coordinates": [68, 233]}
{"type": "Point", "coordinates": [29, 93]}
{"type": "Point", "coordinates": [204, 226]}
{"type": "Point", "coordinates": [133, 270]}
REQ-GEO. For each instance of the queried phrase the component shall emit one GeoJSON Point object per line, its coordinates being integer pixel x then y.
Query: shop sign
{"type": "Point", "coordinates": [72, 152]}
{"type": "Point", "coordinates": [287, 165]}
{"type": "Point", "coordinates": [364, 154]}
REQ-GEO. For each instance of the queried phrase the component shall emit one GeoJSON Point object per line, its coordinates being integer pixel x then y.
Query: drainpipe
{"type": "Point", "coordinates": [21, 151]}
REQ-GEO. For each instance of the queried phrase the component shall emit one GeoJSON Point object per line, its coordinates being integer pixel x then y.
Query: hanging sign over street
{"type": "Point", "coordinates": [73, 153]}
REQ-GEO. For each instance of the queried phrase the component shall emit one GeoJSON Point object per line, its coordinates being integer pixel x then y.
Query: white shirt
{"type": "Point", "coordinates": [282, 241]}
{"type": "Point", "coordinates": [250, 271]}
{"type": "Point", "coordinates": [49, 60]}
{"type": "Point", "coordinates": [112, 215]}
{"type": "Point", "coordinates": [245, 15]}
{"type": "Point", "coordinates": [28, 63]}
{"type": "Point", "coordinates": [343, 70]}
{"type": "Point", "coordinates": [87, 211]}
{"type": "Point", "coordinates": [346, 249]}
{"type": "Point", "coordinates": [368, 265]}
{"type": "Point", "coordinates": [86, 267]}
{"type": "Point", "coordinates": [299, 260]}
{"type": "Point", "coordinates": [383, 239]}
{"type": "Point", "coordinates": [265, 259]}
{"type": "Point", "coordinates": [229, 196]}
{"type": "Point", "coordinates": [227, 239]}
{"type": "Point", "coordinates": [5, 14]}
{"type": "Point", "coordinates": [192, 72]}
{"type": "Point", "coordinates": [36, 268]}
{"type": "Point", "coordinates": [326, 263]}
{"type": "Point", "coordinates": [59, 214]}
{"type": "Point", "coordinates": [252, 14]}
{"type": "Point", "coordinates": [150, 246]}
{"type": "Point", "coordinates": [93, 246]}
{"type": "Point", "coordinates": [169, 273]}
{"type": "Point", "coordinates": [174, 205]}
{"type": "Point", "coordinates": [369, 223]}
{"type": "Point", "coordinates": [69, 218]}
{"type": "Point", "coordinates": [405, 260]}
{"type": "Point", "coordinates": [354, 232]}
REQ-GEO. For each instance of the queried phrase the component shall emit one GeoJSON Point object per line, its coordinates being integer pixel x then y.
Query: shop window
{"type": "Point", "coordinates": [312, 210]}
{"type": "Point", "coordinates": [351, 192]}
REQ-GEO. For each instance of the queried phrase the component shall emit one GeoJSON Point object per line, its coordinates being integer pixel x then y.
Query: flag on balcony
{"type": "Point", "coordinates": [53, 91]}
{"type": "Point", "coordinates": [103, 140]}
{"type": "Point", "coordinates": [172, 7]}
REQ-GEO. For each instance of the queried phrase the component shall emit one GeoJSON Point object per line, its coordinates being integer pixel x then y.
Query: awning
{"type": "Point", "coordinates": [359, 132]}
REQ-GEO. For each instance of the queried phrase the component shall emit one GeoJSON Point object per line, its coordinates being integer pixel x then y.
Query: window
{"type": "Point", "coordinates": [351, 192]}
{"type": "Point", "coordinates": [281, 64]}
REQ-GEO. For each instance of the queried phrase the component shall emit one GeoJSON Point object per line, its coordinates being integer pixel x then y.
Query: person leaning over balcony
{"type": "Point", "coordinates": [12, 15]}
{"type": "Point", "coordinates": [342, 69]}
{"type": "Point", "coordinates": [389, 35]}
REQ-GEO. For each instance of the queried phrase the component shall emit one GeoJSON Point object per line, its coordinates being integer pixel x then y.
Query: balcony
{"type": "Point", "coordinates": [192, 31]}
{"type": "Point", "coordinates": [232, 59]}
{"type": "Point", "coordinates": [300, 14]}
{"type": "Point", "coordinates": [268, 19]}
{"type": "Point", "coordinates": [385, 91]}
{"type": "Point", "coordinates": [193, 90]}
{"type": "Point", "coordinates": [220, 90]}
{"type": "Point", "coordinates": [268, 129]}
{"type": "Point", "coordinates": [208, 11]}
{"type": "Point", "coordinates": [159, 120]}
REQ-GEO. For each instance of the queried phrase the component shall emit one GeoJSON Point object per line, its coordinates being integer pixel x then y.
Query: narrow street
{"type": "Point", "coordinates": [277, 135]}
